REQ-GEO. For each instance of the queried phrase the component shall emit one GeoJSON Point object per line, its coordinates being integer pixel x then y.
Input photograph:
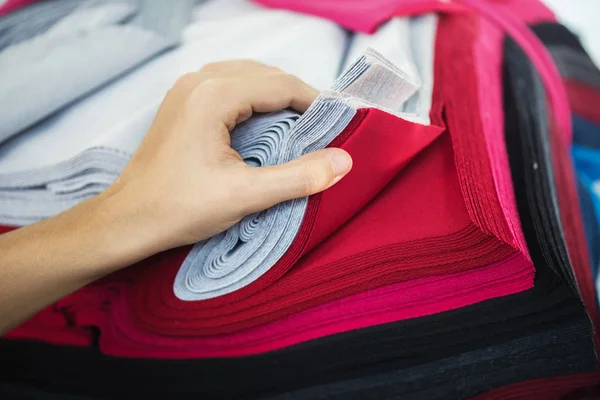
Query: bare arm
{"type": "Point", "coordinates": [184, 184]}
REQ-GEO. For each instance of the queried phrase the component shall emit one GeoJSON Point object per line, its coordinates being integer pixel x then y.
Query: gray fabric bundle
{"type": "Point", "coordinates": [35, 19]}
{"type": "Point", "coordinates": [239, 256]}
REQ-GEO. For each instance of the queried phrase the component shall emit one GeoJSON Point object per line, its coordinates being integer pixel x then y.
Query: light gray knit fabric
{"type": "Point", "coordinates": [93, 139]}
{"type": "Point", "coordinates": [78, 54]}
{"type": "Point", "coordinates": [28, 22]}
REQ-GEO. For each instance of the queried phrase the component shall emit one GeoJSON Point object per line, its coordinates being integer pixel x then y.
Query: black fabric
{"type": "Point", "coordinates": [24, 392]}
{"type": "Point", "coordinates": [552, 34]}
{"type": "Point", "coordinates": [574, 65]}
{"type": "Point", "coordinates": [541, 355]}
{"type": "Point", "coordinates": [527, 138]}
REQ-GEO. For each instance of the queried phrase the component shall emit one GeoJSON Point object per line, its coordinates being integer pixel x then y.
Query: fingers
{"type": "Point", "coordinates": [309, 174]}
{"type": "Point", "coordinates": [233, 99]}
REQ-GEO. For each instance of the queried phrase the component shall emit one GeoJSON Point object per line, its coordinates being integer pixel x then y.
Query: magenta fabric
{"type": "Point", "coordinates": [364, 15]}
{"type": "Point", "coordinates": [487, 53]}
{"type": "Point", "coordinates": [395, 302]}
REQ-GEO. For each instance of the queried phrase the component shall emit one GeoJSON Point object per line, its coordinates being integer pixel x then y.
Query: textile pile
{"type": "Point", "coordinates": [457, 259]}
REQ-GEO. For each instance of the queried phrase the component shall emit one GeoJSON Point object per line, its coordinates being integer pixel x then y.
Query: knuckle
{"type": "Point", "coordinates": [186, 81]}
{"type": "Point", "coordinates": [213, 88]}
{"type": "Point", "coordinates": [213, 67]}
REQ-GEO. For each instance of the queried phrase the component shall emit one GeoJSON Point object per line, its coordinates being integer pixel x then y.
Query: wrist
{"type": "Point", "coordinates": [128, 228]}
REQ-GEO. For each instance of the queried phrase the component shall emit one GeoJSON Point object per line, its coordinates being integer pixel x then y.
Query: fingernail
{"type": "Point", "coordinates": [341, 162]}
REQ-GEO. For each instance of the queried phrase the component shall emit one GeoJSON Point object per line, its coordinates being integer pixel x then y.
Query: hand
{"type": "Point", "coordinates": [185, 183]}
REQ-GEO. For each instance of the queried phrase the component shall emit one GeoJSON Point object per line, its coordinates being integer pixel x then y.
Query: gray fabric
{"type": "Point", "coordinates": [75, 56]}
{"type": "Point", "coordinates": [575, 65]}
{"type": "Point", "coordinates": [35, 19]}
{"type": "Point", "coordinates": [81, 52]}
{"type": "Point", "coordinates": [165, 18]}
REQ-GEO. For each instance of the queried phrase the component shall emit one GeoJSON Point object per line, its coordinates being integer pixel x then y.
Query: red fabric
{"type": "Point", "coordinates": [570, 387]}
{"type": "Point", "coordinates": [406, 232]}
{"type": "Point", "coordinates": [50, 325]}
{"type": "Point", "coordinates": [390, 240]}
{"type": "Point", "coordinates": [424, 296]}
{"type": "Point", "coordinates": [12, 5]}
{"type": "Point", "coordinates": [583, 100]}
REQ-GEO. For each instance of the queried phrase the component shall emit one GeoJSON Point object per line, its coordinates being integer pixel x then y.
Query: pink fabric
{"type": "Point", "coordinates": [510, 15]}
{"type": "Point", "coordinates": [539, 56]}
{"type": "Point", "coordinates": [11, 5]}
{"type": "Point", "coordinates": [395, 302]}
{"type": "Point", "coordinates": [364, 15]}
{"type": "Point", "coordinates": [487, 50]}
{"type": "Point", "coordinates": [528, 11]}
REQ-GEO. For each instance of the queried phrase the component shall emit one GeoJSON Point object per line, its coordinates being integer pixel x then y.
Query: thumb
{"type": "Point", "coordinates": [307, 175]}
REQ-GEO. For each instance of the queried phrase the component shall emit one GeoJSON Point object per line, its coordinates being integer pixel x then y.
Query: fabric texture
{"type": "Point", "coordinates": [78, 54]}
{"type": "Point", "coordinates": [451, 261]}
{"type": "Point", "coordinates": [36, 184]}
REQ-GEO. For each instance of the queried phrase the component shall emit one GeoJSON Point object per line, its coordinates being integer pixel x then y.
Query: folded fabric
{"type": "Point", "coordinates": [574, 65]}
{"type": "Point", "coordinates": [569, 387]}
{"type": "Point", "coordinates": [415, 298]}
{"type": "Point", "coordinates": [549, 351]}
{"type": "Point", "coordinates": [78, 54]}
{"type": "Point", "coordinates": [399, 289]}
{"type": "Point", "coordinates": [365, 17]}
{"type": "Point", "coordinates": [35, 19]}
{"type": "Point", "coordinates": [42, 183]}
{"type": "Point", "coordinates": [579, 94]}
{"type": "Point", "coordinates": [348, 262]}
{"type": "Point", "coordinates": [472, 372]}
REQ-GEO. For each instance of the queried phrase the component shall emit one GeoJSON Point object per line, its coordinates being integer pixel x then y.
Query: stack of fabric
{"type": "Point", "coordinates": [581, 78]}
{"type": "Point", "coordinates": [451, 262]}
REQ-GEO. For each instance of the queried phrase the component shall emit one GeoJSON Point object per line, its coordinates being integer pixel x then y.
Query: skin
{"type": "Point", "coordinates": [184, 184]}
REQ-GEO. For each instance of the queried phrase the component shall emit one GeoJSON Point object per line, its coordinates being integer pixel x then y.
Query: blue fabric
{"type": "Point", "coordinates": [587, 164]}
{"type": "Point", "coordinates": [585, 133]}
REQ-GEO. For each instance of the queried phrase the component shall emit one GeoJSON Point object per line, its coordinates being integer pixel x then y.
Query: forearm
{"type": "Point", "coordinates": [45, 261]}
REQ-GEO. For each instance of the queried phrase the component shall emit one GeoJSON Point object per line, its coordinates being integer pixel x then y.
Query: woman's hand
{"type": "Point", "coordinates": [184, 184]}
